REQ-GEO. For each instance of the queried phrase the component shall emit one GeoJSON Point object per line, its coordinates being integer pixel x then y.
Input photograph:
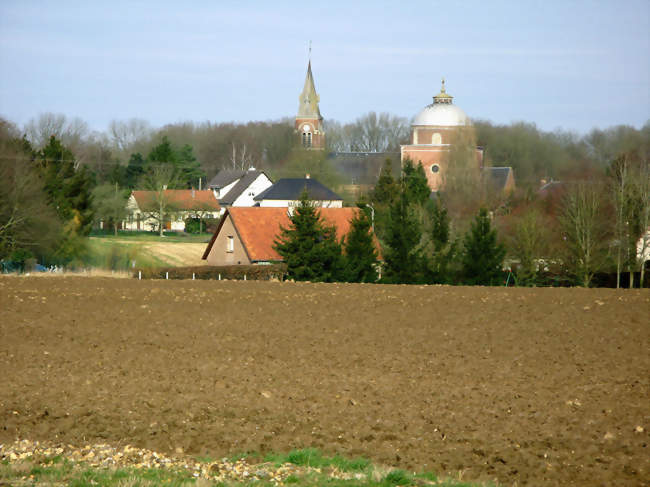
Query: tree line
{"type": "Point", "coordinates": [59, 178]}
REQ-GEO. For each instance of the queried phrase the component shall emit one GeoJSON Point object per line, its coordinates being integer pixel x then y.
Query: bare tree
{"type": "Point", "coordinates": [70, 131]}
{"type": "Point", "coordinates": [160, 206]}
{"type": "Point", "coordinates": [27, 222]}
{"type": "Point", "coordinates": [583, 231]}
{"type": "Point", "coordinates": [529, 243]}
{"type": "Point", "coordinates": [240, 158]}
{"type": "Point", "coordinates": [126, 133]}
{"type": "Point", "coordinates": [371, 132]}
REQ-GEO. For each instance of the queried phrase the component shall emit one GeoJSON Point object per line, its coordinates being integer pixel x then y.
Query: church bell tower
{"type": "Point", "coordinates": [309, 121]}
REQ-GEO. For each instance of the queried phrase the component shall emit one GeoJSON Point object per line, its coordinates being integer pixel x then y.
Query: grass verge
{"type": "Point", "coordinates": [300, 468]}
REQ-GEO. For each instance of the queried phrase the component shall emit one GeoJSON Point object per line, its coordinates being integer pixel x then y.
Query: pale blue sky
{"type": "Point", "coordinates": [560, 64]}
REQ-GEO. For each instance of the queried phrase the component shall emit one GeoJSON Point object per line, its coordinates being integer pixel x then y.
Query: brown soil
{"type": "Point", "coordinates": [534, 386]}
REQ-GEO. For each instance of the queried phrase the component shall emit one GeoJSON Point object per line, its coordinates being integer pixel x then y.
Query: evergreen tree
{"type": "Point", "coordinates": [57, 167]}
{"type": "Point", "coordinates": [415, 181]}
{"type": "Point", "coordinates": [134, 170]}
{"type": "Point", "coordinates": [189, 168]}
{"type": "Point", "coordinates": [444, 250]}
{"type": "Point", "coordinates": [360, 252]}
{"type": "Point", "coordinates": [309, 247]}
{"type": "Point", "coordinates": [482, 255]}
{"type": "Point", "coordinates": [68, 189]}
{"type": "Point", "coordinates": [78, 191]}
{"type": "Point", "coordinates": [403, 255]}
{"type": "Point", "coordinates": [163, 153]}
{"type": "Point", "coordinates": [386, 188]}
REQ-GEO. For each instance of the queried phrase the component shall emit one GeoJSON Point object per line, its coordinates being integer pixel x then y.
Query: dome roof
{"type": "Point", "coordinates": [442, 112]}
{"type": "Point", "coordinates": [446, 115]}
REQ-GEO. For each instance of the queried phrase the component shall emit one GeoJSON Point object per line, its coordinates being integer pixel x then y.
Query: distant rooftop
{"type": "Point", "coordinates": [291, 189]}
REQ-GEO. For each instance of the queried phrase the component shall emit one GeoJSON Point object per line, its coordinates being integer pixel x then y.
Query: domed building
{"type": "Point", "coordinates": [434, 130]}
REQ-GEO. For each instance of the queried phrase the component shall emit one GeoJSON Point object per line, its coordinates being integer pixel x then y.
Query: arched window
{"type": "Point", "coordinates": [437, 139]}
{"type": "Point", "coordinates": [306, 136]}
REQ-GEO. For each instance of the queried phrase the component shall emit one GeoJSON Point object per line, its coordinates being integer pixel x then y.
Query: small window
{"type": "Point", "coordinates": [230, 244]}
{"type": "Point", "coordinates": [435, 168]}
{"type": "Point", "coordinates": [436, 139]}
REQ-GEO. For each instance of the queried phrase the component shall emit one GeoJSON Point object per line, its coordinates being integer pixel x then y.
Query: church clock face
{"type": "Point", "coordinates": [306, 128]}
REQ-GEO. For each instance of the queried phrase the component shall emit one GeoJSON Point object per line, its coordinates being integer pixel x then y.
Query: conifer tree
{"type": "Point", "coordinates": [403, 255]}
{"type": "Point", "coordinates": [415, 181]}
{"type": "Point", "coordinates": [360, 252]}
{"type": "Point", "coordinates": [482, 255]}
{"type": "Point", "coordinates": [386, 188]}
{"type": "Point", "coordinates": [309, 247]}
{"type": "Point", "coordinates": [444, 249]}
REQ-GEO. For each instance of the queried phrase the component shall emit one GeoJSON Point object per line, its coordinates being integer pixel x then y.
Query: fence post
{"type": "Point", "coordinates": [166, 275]}
{"type": "Point", "coordinates": [192, 275]}
{"type": "Point", "coordinates": [244, 277]}
{"type": "Point", "coordinates": [220, 276]}
{"type": "Point", "coordinates": [139, 275]}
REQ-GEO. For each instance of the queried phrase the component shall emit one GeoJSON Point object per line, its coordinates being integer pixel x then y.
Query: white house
{"type": "Point", "coordinates": [177, 205]}
{"type": "Point", "coordinates": [239, 188]}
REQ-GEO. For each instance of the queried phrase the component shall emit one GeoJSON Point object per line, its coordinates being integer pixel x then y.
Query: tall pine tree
{"type": "Point", "coordinates": [483, 255]}
{"type": "Point", "coordinates": [403, 255]}
{"type": "Point", "coordinates": [309, 247]}
{"type": "Point", "coordinates": [360, 251]}
{"type": "Point", "coordinates": [444, 249]}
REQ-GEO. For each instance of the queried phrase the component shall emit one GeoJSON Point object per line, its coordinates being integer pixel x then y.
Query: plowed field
{"type": "Point", "coordinates": [534, 386]}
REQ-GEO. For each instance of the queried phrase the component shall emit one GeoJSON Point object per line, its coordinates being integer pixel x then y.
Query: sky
{"type": "Point", "coordinates": [570, 65]}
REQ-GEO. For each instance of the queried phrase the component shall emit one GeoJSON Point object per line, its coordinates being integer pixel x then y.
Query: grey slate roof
{"type": "Point", "coordinates": [291, 189]}
{"type": "Point", "coordinates": [225, 177]}
{"type": "Point", "coordinates": [240, 187]}
{"type": "Point", "coordinates": [498, 176]}
{"type": "Point", "coordinates": [363, 167]}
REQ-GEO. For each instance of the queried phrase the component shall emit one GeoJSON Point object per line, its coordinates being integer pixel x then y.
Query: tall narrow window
{"type": "Point", "coordinates": [309, 139]}
{"type": "Point", "coordinates": [230, 244]}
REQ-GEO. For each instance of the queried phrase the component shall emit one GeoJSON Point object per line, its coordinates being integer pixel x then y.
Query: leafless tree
{"type": "Point", "coordinates": [71, 132]}
{"type": "Point", "coordinates": [371, 132]}
{"type": "Point", "coordinates": [240, 157]}
{"type": "Point", "coordinates": [583, 231]}
{"type": "Point", "coordinates": [160, 207]}
{"type": "Point", "coordinates": [126, 133]}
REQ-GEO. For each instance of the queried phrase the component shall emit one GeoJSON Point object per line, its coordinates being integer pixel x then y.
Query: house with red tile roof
{"type": "Point", "coordinates": [246, 235]}
{"type": "Point", "coordinates": [177, 205]}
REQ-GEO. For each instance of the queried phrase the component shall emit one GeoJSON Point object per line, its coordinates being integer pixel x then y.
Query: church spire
{"type": "Point", "coordinates": [308, 100]}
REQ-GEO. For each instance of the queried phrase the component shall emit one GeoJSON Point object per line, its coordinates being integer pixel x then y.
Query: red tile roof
{"type": "Point", "coordinates": [182, 199]}
{"type": "Point", "coordinates": [258, 227]}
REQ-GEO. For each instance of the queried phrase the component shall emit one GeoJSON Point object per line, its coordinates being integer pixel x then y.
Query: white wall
{"type": "Point", "coordinates": [256, 187]}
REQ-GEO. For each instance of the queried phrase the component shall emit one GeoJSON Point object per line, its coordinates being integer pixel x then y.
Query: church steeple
{"type": "Point", "coordinates": [309, 121]}
{"type": "Point", "coordinates": [308, 106]}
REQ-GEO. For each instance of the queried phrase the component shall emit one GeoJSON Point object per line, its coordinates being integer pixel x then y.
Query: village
{"type": "Point", "coordinates": [344, 244]}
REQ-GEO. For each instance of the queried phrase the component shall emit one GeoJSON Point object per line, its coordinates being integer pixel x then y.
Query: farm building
{"type": "Point", "coordinates": [246, 235]}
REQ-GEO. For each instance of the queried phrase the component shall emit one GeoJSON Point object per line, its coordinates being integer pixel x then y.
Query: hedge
{"type": "Point", "coordinates": [233, 272]}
